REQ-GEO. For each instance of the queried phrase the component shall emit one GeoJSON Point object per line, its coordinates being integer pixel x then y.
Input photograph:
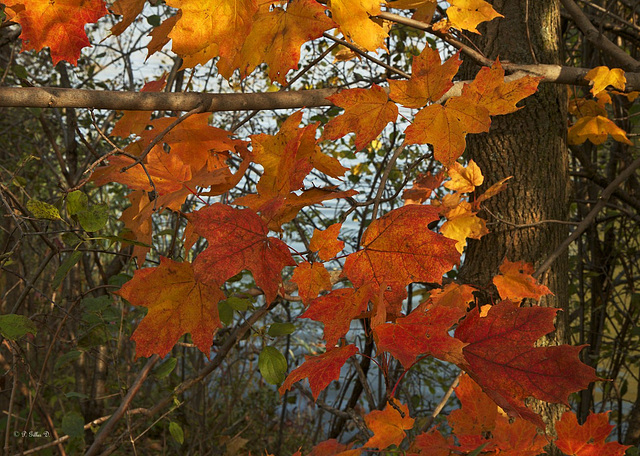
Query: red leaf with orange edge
{"type": "Point", "coordinates": [445, 127]}
{"type": "Point", "coordinates": [58, 25]}
{"type": "Point", "coordinates": [326, 242]}
{"type": "Point", "coordinates": [429, 79]}
{"type": "Point", "coordinates": [388, 425]}
{"type": "Point", "coordinates": [237, 240]}
{"type": "Point", "coordinates": [395, 253]}
{"type": "Point", "coordinates": [422, 332]}
{"type": "Point", "coordinates": [587, 439]}
{"type": "Point", "coordinates": [179, 302]}
{"type": "Point", "coordinates": [501, 357]}
{"type": "Point", "coordinates": [320, 370]}
{"type": "Point", "coordinates": [337, 309]}
{"type": "Point", "coordinates": [311, 280]}
{"type": "Point", "coordinates": [366, 113]}
{"type": "Point", "coordinates": [515, 282]}
{"type": "Point", "coordinates": [431, 443]}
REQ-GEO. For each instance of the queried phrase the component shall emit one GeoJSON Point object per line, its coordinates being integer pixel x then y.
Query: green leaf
{"type": "Point", "coordinates": [478, 450]}
{"type": "Point", "coordinates": [165, 368]}
{"type": "Point", "coordinates": [272, 365]}
{"type": "Point", "coordinates": [239, 304]}
{"type": "Point", "coordinates": [43, 210]}
{"type": "Point", "coordinates": [77, 202]}
{"type": "Point", "coordinates": [225, 311]}
{"type": "Point", "coordinates": [65, 267]}
{"type": "Point", "coordinates": [176, 432]}
{"type": "Point", "coordinates": [98, 304]}
{"type": "Point", "coordinates": [14, 326]}
{"type": "Point", "coordinates": [67, 358]}
{"type": "Point", "coordinates": [281, 329]}
{"type": "Point", "coordinates": [75, 394]}
{"type": "Point", "coordinates": [98, 335]}
{"type": "Point", "coordinates": [154, 20]}
{"type": "Point", "coordinates": [73, 424]}
{"type": "Point", "coordinates": [94, 218]}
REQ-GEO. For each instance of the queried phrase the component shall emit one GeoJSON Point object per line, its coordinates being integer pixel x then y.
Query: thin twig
{"type": "Point", "coordinates": [591, 216]}
{"type": "Point", "coordinates": [122, 409]}
{"type": "Point", "coordinates": [383, 180]}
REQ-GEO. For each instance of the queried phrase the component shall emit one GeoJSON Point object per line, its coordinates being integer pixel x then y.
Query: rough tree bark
{"type": "Point", "coordinates": [529, 145]}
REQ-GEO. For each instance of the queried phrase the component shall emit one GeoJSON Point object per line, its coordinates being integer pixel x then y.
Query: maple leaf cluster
{"type": "Point", "coordinates": [174, 158]}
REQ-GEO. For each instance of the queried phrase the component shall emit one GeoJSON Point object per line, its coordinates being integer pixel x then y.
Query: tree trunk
{"type": "Point", "coordinates": [529, 145]}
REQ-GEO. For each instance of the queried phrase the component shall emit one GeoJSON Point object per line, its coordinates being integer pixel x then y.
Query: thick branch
{"type": "Point", "coordinates": [54, 97]}
{"type": "Point", "coordinates": [598, 39]}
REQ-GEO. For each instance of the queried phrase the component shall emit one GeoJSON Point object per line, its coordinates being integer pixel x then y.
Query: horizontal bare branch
{"type": "Point", "coordinates": [55, 97]}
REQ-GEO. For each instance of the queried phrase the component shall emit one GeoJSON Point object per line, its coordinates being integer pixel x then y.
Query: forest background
{"type": "Point", "coordinates": [553, 184]}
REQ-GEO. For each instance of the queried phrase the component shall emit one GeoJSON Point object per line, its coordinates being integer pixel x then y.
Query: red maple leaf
{"type": "Point", "coordinates": [395, 254]}
{"type": "Point", "coordinates": [501, 357]}
{"type": "Point", "coordinates": [422, 332]}
{"type": "Point", "coordinates": [587, 439]}
{"type": "Point", "coordinates": [320, 370]}
{"type": "Point", "coordinates": [58, 25]}
{"type": "Point", "coordinates": [238, 240]}
{"type": "Point", "coordinates": [179, 302]}
{"type": "Point", "coordinates": [337, 309]}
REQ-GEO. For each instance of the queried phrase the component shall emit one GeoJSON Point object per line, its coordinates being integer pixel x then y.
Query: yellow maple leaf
{"type": "Point", "coordinates": [464, 180]}
{"type": "Point", "coordinates": [602, 76]}
{"type": "Point", "coordinates": [462, 224]}
{"type": "Point", "coordinates": [467, 14]}
{"type": "Point", "coordinates": [424, 9]}
{"type": "Point", "coordinates": [353, 16]}
{"type": "Point", "coordinates": [596, 129]}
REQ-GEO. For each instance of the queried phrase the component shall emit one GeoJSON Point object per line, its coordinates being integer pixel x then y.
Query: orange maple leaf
{"type": "Point", "coordinates": [429, 79]}
{"type": "Point", "coordinates": [355, 23]}
{"type": "Point", "coordinates": [587, 439]}
{"type": "Point", "coordinates": [423, 186]}
{"type": "Point", "coordinates": [134, 122]}
{"type": "Point", "coordinates": [179, 302]}
{"type": "Point", "coordinates": [515, 282]}
{"type": "Point", "coordinates": [489, 90]}
{"type": "Point", "coordinates": [326, 242]}
{"type": "Point", "coordinates": [445, 127]}
{"type": "Point", "coordinates": [468, 14]}
{"type": "Point", "coordinates": [311, 280]}
{"type": "Point", "coordinates": [431, 443]}
{"type": "Point", "coordinates": [141, 227]}
{"type": "Point", "coordinates": [366, 112]}
{"type": "Point", "coordinates": [320, 370]}
{"type": "Point", "coordinates": [238, 240]}
{"type": "Point", "coordinates": [388, 425]}
{"type": "Point", "coordinates": [478, 422]}
{"type": "Point", "coordinates": [423, 9]}
{"type": "Point", "coordinates": [332, 447]}
{"type": "Point", "coordinates": [129, 10]}
{"type": "Point", "coordinates": [210, 28]}
{"type": "Point", "coordinates": [501, 357]}
{"type": "Point", "coordinates": [277, 35]}
{"type": "Point", "coordinates": [395, 254]}
{"type": "Point", "coordinates": [58, 25]}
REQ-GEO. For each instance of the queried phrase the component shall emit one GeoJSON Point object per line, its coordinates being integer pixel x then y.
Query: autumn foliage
{"type": "Point", "coordinates": [419, 242]}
